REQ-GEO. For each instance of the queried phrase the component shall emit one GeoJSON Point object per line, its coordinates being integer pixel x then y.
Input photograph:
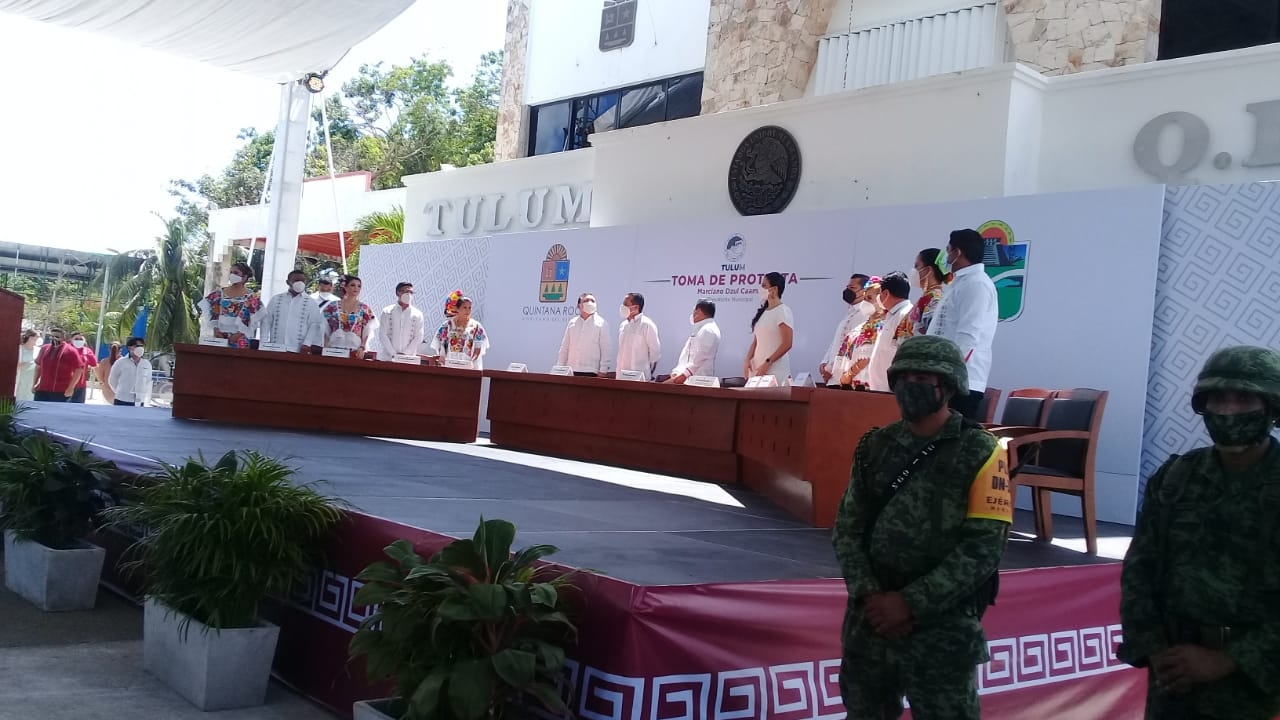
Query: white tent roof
{"type": "Point", "coordinates": [279, 40]}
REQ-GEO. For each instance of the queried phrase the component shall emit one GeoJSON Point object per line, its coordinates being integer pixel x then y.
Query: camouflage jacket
{"type": "Point", "coordinates": [939, 537]}
{"type": "Point", "coordinates": [1206, 551]}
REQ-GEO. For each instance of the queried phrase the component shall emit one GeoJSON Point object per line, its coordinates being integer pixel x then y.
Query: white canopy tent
{"type": "Point", "coordinates": [277, 40]}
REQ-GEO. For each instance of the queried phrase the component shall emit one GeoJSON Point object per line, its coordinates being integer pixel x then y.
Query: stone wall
{"type": "Point", "coordinates": [513, 116]}
{"type": "Point", "coordinates": [761, 51]}
{"type": "Point", "coordinates": [1066, 36]}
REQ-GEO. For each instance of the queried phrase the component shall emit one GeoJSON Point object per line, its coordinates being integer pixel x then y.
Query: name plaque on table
{"type": "Point", "coordinates": [632, 376]}
{"type": "Point", "coordinates": [803, 380]}
{"type": "Point", "coordinates": [213, 342]}
{"type": "Point", "coordinates": [458, 361]}
{"type": "Point", "coordinates": [517, 368]}
{"type": "Point", "coordinates": [272, 347]}
{"type": "Point", "coordinates": [406, 359]}
{"type": "Point", "coordinates": [343, 353]}
{"type": "Point", "coordinates": [562, 371]}
{"type": "Point", "coordinates": [762, 381]}
{"type": "Point", "coordinates": [705, 381]}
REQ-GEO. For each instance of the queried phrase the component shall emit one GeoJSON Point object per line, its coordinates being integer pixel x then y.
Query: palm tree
{"type": "Point", "coordinates": [378, 228]}
{"type": "Point", "coordinates": [169, 280]}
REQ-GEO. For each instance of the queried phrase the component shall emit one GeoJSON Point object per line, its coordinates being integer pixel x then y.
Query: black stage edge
{"type": "Point", "coordinates": [648, 535]}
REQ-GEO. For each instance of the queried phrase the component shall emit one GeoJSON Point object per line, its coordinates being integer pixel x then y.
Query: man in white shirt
{"type": "Point", "coordinates": [638, 344]}
{"type": "Point", "coordinates": [858, 310]}
{"type": "Point", "coordinates": [130, 377]}
{"type": "Point", "coordinates": [587, 346]}
{"type": "Point", "coordinates": [699, 354]}
{"type": "Point", "coordinates": [400, 326]}
{"type": "Point", "coordinates": [968, 313]}
{"type": "Point", "coordinates": [895, 293]}
{"type": "Point", "coordinates": [292, 319]}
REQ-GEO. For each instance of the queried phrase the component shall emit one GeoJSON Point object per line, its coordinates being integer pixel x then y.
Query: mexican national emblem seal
{"type": "Point", "coordinates": [765, 172]}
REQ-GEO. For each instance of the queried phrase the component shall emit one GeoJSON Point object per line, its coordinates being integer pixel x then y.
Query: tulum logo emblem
{"type": "Point", "coordinates": [555, 276]}
{"type": "Point", "coordinates": [1006, 265]}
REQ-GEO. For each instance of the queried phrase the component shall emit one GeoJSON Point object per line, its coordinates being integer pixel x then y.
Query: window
{"type": "Point", "coordinates": [568, 125]}
{"type": "Point", "coordinates": [595, 114]}
{"type": "Point", "coordinates": [684, 97]}
{"type": "Point", "coordinates": [549, 128]}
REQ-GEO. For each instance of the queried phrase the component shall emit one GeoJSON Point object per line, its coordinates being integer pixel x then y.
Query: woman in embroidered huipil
{"type": "Point", "coordinates": [460, 336]}
{"type": "Point", "coordinates": [929, 278]}
{"type": "Point", "coordinates": [348, 323]}
{"type": "Point", "coordinates": [228, 311]}
{"type": "Point", "coordinates": [857, 346]}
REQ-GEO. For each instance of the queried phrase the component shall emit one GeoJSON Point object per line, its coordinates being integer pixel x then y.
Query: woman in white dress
{"type": "Point", "coordinates": [771, 333]}
{"type": "Point", "coordinates": [461, 337]}
{"type": "Point", "coordinates": [25, 389]}
{"type": "Point", "coordinates": [348, 322]}
{"type": "Point", "coordinates": [228, 312]}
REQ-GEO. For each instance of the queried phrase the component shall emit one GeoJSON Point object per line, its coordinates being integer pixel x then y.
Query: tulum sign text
{"type": "Point", "coordinates": [1192, 147]}
{"type": "Point", "coordinates": [532, 209]}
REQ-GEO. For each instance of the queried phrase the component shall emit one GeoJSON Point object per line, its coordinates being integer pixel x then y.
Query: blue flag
{"type": "Point", "coordinates": [140, 325]}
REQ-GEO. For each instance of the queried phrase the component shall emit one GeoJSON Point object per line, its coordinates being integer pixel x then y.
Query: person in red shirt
{"type": "Point", "coordinates": [90, 361]}
{"type": "Point", "coordinates": [58, 370]}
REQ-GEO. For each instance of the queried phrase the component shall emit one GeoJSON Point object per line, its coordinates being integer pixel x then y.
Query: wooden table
{"type": "Point", "coordinates": [308, 392]}
{"type": "Point", "coordinates": [794, 446]}
{"type": "Point", "coordinates": [648, 426]}
{"type": "Point", "coordinates": [797, 447]}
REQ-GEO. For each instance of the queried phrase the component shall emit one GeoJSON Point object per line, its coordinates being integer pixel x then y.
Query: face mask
{"type": "Point", "coordinates": [235, 279]}
{"type": "Point", "coordinates": [1238, 432]}
{"type": "Point", "coordinates": [624, 312]}
{"type": "Point", "coordinates": [78, 343]}
{"type": "Point", "coordinates": [764, 294]}
{"type": "Point", "coordinates": [407, 298]}
{"type": "Point", "coordinates": [693, 320]}
{"type": "Point", "coordinates": [298, 286]}
{"type": "Point", "coordinates": [917, 400]}
{"type": "Point", "coordinates": [867, 307]}
{"type": "Point", "coordinates": [849, 296]}
{"type": "Point", "coordinates": [589, 308]}
{"type": "Point", "coordinates": [136, 351]}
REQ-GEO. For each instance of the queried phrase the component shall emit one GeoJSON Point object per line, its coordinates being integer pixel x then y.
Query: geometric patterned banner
{"type": "Point", "coordinates": [1218, 285]}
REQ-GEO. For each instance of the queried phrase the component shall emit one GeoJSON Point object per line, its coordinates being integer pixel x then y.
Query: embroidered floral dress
{"type": "Point", "coordinates": [858, 346]}
{"type": "Point", "coordinates": [468, 342]}
{"type": "Point", "coordinates": [229, 315]}
{"type": "Point", "coordinates": [917, 321]}
{"type": "Point", "coordinates": [350, 330]}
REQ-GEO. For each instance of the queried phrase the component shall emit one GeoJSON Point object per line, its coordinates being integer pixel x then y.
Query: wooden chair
{"type": "Point", "coordinates": [987, 408]}
{"type": "Point", "coordinates": [1060, 457]}
{"type": "Point", "coordinates": [1024, 408]}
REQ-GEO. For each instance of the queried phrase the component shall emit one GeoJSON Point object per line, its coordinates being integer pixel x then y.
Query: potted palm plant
{"type": "Point", "coordinates": [216, 542]}
{"type": "Point", "coordinates": [474, 632]}
{"type": "Point", "coordinates": [50, 498]}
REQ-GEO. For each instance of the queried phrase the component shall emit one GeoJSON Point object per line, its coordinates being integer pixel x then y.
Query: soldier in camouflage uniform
{"type": "Point", "coordinates": [1200, 593]}
{"type": "Point", "coordinates": [919, 536]}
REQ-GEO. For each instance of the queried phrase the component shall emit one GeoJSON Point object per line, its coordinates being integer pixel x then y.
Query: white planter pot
{"type": "Point", "coordinates": [213, 670]}
{"type": "Point", "coordinates": [53, 580]}
{"type": "Point", "coordinates": [370, 710]}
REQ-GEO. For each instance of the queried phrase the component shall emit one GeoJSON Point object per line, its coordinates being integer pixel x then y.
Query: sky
{"type": "Point", "coordinates": [95, 129]}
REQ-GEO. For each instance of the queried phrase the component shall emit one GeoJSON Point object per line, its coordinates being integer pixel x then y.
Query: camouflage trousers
{"type": "Point", "coordinates": [875, 677]}
{"type": "Point", "coordinates": [935, 668]}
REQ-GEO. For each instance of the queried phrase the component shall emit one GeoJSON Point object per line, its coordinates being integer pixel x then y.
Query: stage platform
{"type": "Point", "coordinates": [639, 527]}
{"type": "Point", "coordinates": [696, 601]}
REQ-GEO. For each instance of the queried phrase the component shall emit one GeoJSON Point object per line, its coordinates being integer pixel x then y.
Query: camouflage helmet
{"type": "Point", "coordinates": [1243, 368]}
{"type": "Point", "coordinates": [931, 354]}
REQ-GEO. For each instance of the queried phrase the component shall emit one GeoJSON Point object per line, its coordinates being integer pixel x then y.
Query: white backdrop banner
{"type": "Point", "coordinates": [1076, 274]}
